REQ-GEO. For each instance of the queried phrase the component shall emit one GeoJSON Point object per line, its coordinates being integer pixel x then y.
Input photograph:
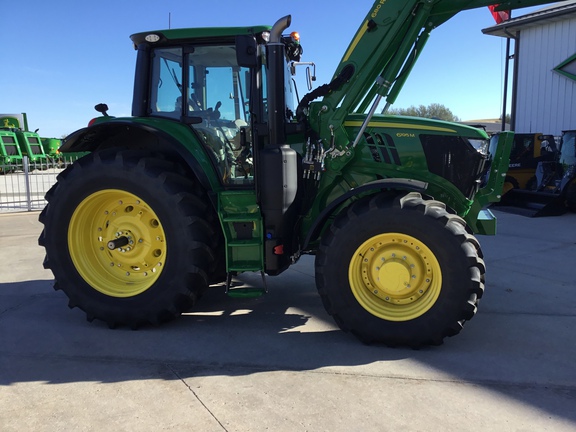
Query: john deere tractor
{"type": "Point", "coordinates": [219, 171]}
{"type": "Point", "coordinates": [14, 131]}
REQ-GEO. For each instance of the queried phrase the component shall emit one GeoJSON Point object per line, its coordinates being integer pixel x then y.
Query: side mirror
{"type": "Point", "coordinates": [246, 51]}
{"type": "Point", "coordinates": [102, 108]}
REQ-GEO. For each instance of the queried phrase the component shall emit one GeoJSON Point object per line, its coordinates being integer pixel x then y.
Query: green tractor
{"type": "Point", "coordinates": [219, 172]}
{"type": "Point", "coordinates": [51, 148]}
{"type": "Point", "coordinates": [29, 143]}
{"type": "Point", "coordinates": [10, 154]}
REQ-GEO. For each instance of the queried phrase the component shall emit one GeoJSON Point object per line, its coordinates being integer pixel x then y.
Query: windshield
{"type": "Point", "coordinates": [218, 83]}
{"type": "Point", "coordinates": [214, 80]}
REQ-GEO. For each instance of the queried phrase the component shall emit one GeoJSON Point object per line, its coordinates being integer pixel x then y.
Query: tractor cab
{"type": "Point", "coordinates": [214, 81]}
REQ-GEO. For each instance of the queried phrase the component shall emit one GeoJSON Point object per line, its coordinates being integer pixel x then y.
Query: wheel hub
{"type": "Point", "coordinates": [395, 276]}
{"type": "Point", "coordinates": [117, 243]}
{"type": "Point", "coordinates": [396, 270]}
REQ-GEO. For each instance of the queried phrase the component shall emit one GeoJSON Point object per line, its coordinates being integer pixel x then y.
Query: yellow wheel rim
{"type": "Point", "coordinates": [117, 243]}
{"type": "Point", "coordinates": [395, 277]}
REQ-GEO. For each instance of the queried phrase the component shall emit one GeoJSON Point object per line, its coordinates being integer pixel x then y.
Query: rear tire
{"type": "Point", "coordinates": [400, 272]}
{"type": "Point", "coordinates": [162, 231]}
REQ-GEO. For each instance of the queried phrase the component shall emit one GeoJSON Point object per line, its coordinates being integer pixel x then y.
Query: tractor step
{"type": "Point", "coordinates": [243, 232]}
{"type": "Point", "coordinates": [245, 292]}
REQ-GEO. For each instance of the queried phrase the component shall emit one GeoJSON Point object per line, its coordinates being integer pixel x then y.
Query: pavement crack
{"type": "Point", "coordinates": [177, 375]}
{"type": "Point", "coordinates": [21, 305]}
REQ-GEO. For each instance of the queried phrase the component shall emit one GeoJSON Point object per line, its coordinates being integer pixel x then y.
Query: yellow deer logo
{"type": "Point", "coordinates": [7, 123]}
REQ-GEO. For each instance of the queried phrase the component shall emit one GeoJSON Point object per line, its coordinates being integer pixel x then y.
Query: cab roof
{"type": "Point", "coordinates": [174, 35]}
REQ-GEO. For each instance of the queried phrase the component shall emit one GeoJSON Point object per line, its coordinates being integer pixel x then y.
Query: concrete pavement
{"type": "Point", "coordinates": [279, 363]}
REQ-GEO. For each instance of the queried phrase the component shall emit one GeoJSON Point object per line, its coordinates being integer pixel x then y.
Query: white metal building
{"type": "Point", "coordinates": [544, 76]}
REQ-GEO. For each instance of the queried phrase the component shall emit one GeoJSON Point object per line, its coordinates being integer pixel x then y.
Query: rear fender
{"type": "Point", "coordinates": [178, 142]}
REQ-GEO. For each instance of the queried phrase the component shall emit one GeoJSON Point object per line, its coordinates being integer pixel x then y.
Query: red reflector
{"type": "Point", "coordinates": [279, 250]}
{"type": "Point", "coordinates": [91, 122]}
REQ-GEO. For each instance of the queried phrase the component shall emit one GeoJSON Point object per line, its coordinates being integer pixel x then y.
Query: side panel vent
{"type": "Point", "coordinates": [382, 148]}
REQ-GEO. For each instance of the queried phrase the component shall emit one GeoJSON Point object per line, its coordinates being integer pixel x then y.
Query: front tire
{"type": "Point", "coordinates": [400, 271]}
{"type": "Point", "coordinates": [129, 240]}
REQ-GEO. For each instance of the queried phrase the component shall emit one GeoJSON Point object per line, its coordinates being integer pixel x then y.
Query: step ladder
{"type": "Point", "coordinates": [242, 225]}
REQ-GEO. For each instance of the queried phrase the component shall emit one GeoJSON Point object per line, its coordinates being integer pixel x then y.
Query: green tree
{"type": "Point", "coordinates": [435, 111]}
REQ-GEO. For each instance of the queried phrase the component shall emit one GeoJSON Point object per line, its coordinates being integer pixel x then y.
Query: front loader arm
{"type": "Point", "coordinates": [381, 56]}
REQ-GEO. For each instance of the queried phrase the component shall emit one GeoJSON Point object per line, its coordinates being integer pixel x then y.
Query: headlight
{"type": "Point", "coordinates": [480, 145]}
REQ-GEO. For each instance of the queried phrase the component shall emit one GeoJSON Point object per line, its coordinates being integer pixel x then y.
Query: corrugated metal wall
{"type": "Point", "coordinates": [546, 100]}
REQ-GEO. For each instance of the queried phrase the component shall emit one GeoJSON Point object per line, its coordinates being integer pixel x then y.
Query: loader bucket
{"type": "Point", "coordinates": [532, 203]}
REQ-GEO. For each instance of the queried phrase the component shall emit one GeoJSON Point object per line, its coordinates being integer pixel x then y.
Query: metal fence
{"type": "Point", "coordinates": [23, 186]}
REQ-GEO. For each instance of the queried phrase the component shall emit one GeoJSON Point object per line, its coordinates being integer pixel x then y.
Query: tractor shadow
{"type": "Point", "coordinates": [284, 330]}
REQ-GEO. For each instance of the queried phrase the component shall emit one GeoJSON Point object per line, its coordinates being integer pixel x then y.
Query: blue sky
{"type": "Point", "coordinates": [62, 57]}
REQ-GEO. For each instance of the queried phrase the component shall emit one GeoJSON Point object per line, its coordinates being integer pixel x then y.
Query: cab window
{"type": "Point", "coordinates": [166, 82]}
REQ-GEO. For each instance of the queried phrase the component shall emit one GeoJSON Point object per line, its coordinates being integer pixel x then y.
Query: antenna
{"type": "Point", "coordinates": [169, 17]}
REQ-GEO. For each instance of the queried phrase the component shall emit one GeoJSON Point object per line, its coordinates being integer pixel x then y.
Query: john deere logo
{"type": "Point", "coordinates": [567, 68]}
{"type": "Point", "coordinates": [7, 123]}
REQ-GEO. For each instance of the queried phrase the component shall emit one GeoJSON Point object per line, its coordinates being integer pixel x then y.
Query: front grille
{"type": "Point", "coordinates": [11, 149]}
{"type": "Point", "coordinates": [454, 159]}
{"type": "Point", "coordinates": [36, 149]}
